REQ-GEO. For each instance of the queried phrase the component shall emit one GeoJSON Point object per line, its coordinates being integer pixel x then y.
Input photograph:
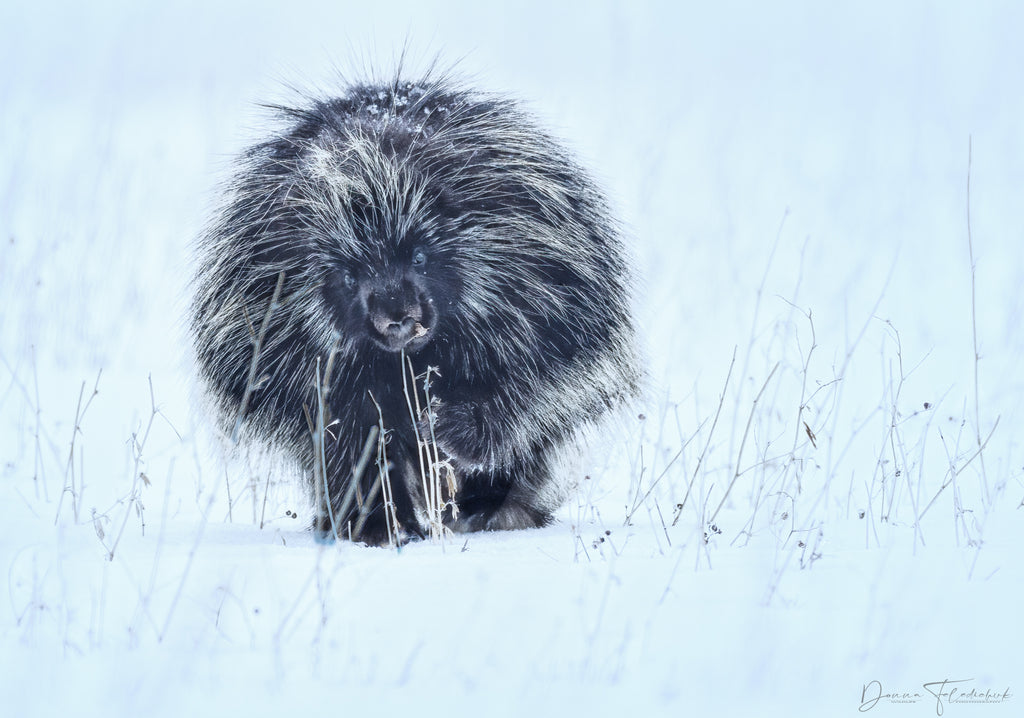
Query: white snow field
{"type": "Point", "coordinates": [820, 512]}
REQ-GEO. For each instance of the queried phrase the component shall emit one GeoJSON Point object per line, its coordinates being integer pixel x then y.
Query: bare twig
{"type": "Point", "coordinates": [707, 444]}
{"type": "Point", "coordinates": [753, 323]}
{"type": "Point", "coordinates": [431, 464]}
{"type": "Point", "coordinates": [320, 454]}
{"type": "Point", "coordinates": [743, 442]}
{"type": "Point", "coordinates": [802, 426]}
{"type": "Point", "coordinates": [39, 451]}
{"type": "Point", "coordinates": [413, 403]}
{"type": "Point", "coordinates": [257, 348]}
{"type": "Point", "coordinates": [384, 481]}
{"type": "Point", "coordinates": [137, 473]}
{"type": "Point", "coordinates": [954, 472]}
{"type": "Point", "coordinates": [974, 328]}
{"type": "Point", "coordinates": [69, 469]}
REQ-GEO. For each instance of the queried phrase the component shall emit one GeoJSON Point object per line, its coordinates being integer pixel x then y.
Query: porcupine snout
{"type": "Point", "coordinates": [398, 314]}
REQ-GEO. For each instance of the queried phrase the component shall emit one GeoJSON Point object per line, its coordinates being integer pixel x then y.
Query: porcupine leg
{"type": "Point", "coordinates": [360, 512]}
{"type": "Point", "coordinates": [508, 499]}
{"type": "Point", "coordinates": [514, 494]}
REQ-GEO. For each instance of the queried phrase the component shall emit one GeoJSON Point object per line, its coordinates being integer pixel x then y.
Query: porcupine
{"type": "Point", "coordinates": [427, 223]}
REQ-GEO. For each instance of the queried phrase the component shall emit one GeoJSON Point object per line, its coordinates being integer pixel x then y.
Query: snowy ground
{"type": "Point", "coordinates": [795, 180]}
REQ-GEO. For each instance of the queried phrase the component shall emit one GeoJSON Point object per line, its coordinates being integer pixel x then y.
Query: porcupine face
{"type": "Point", "coordinates": [391, 305]}
{"type": "Point", "coordinates": [394, 291]}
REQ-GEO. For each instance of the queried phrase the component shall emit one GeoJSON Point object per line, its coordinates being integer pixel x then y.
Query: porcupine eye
{"type": "Point", "coordinates": [350, 281]}
{"type": "Point", "coordinates": [419, 258]}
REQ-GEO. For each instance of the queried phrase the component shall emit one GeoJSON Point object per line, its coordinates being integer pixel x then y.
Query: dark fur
{"type": "Point", "coordinates": [426, 217]}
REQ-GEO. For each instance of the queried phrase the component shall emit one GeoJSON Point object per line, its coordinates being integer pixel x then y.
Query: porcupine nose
{"type": "Point", "coordinates": [396, 317]}
{"type": "Point", "coordinates": [400, 330]}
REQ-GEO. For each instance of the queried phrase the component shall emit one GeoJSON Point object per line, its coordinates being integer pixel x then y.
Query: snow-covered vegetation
{"type": "Point", "coordinates": [818, 505]}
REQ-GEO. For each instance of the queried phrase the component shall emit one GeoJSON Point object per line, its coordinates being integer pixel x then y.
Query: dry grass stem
{"type": "Point", "coordinates": [743, 442]}
{"type": "Point", "coordinates": [250, 382]}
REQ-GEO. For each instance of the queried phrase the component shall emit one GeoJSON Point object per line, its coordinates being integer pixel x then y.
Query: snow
{"type": "Point", "coordinates": [794, 180]}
